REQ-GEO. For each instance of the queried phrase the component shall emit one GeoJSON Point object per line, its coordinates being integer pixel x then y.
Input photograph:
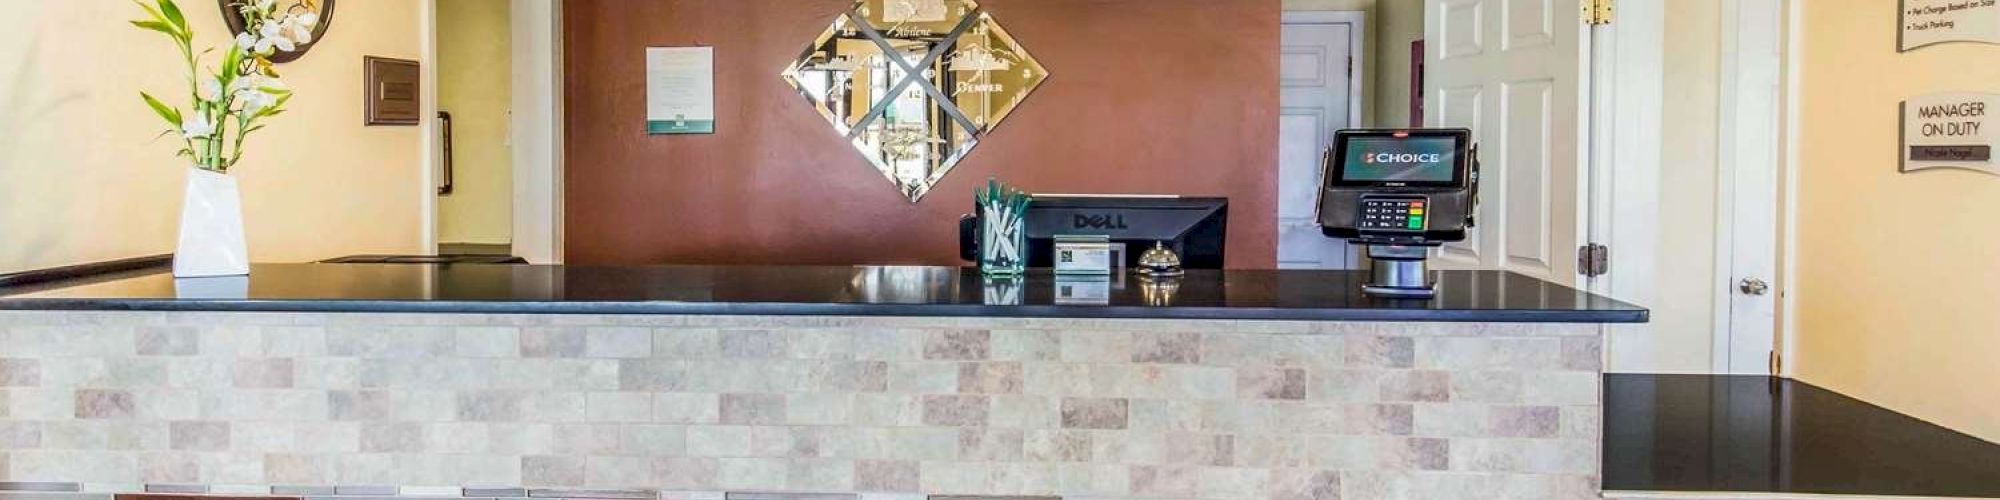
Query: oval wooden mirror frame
{"type": "Point", "coordinates": [234, 20]}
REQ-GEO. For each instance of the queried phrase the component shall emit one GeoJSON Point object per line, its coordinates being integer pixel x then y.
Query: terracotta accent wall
{"type": "Point", "coordinates": [1147, 96]}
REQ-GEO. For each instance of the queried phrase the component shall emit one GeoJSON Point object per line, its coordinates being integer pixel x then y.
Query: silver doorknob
{"type": "Point", "coordinates": [1754, 286]}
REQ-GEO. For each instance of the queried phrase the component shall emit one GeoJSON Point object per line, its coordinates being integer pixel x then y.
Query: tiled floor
{"type": "Point", "coordinates": [1705, 433]}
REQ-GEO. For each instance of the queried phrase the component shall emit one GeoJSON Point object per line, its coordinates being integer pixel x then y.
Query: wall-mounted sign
{"type": "Point", "coordinates": [1950, 130]}
{"type": "Point", "coordinates": [1928, 22]}
{"type": "Point", "coordinates": [680, 90]}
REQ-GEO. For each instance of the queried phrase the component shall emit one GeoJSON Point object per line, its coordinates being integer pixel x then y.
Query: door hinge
{"type": "Point", "coordinates": [1597, 12]}
{"type": "Point", "coordinates": [1777, 364]}
{"type": "Point", "coordinates": [1593, 260]}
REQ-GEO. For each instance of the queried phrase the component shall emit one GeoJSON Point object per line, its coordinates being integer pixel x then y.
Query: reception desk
{"type": "Point", "coordinates": [855, 382]}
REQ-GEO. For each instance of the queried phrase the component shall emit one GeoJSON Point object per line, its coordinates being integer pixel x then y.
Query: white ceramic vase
{"type": "Point", "coordinates": [211, 235]}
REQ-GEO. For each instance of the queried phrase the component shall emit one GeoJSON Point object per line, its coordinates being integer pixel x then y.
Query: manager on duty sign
{"type": "Point", "coordinates": [1951, 130]}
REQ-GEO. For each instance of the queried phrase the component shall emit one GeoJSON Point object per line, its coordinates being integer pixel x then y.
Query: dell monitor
{"type": "Point", "coordinates": [1194, 228]}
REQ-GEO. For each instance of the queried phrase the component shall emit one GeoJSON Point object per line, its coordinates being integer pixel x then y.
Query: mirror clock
{"type": "Point", "coordinates": [914, 85]}
{"type": "Point", "coordinates": [322, 10]}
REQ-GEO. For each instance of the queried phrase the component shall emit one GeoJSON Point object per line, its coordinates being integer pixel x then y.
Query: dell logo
{"type": "Point", "coordinates": [1100, 222]}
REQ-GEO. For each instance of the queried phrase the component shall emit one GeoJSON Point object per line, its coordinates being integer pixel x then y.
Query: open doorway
{"type": "Point", "coordinates": [474, 146]}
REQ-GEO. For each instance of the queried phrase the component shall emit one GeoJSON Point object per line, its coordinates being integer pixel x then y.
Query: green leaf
{"type": "Point", "coordinates": [232, 63]}
{"type": "Point", "coordinates": [173, 13]}
{"type": "Point", "coordinates": [158, 26]}
{"type": "Point", "coordinates": [166, 112]}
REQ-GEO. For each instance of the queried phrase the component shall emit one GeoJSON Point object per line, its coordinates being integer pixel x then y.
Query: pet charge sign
{"type": "Point", "coordinates": [1926, 22]}
{"type": "Point", "coordinates": [1951, 130]}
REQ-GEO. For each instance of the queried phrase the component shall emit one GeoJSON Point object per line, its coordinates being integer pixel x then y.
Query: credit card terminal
{"type": "Point", "coordinates": [1399, 192]}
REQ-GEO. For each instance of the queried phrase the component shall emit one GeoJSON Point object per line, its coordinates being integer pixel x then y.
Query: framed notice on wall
{"type": "Point", "coordinates": [680, 90]}
{"type": "Point", "coordinates": [1926, 22]}
{"type": "Point", "coordinates": [1951, 130]}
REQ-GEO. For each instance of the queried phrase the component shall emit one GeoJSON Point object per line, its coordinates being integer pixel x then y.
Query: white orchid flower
{"type": "Point", "coordinates": [308, 19]}
{"type": "Point", "coordinates": [266, 4]}
{"type": "Point", "coordinates": [246, 41]}
{"type": "Point", "coordinates": [197, 127]}
{"type": "Point", "coordinates": [269, 29]}
{"type": "Point", "coordinates": [297, 31]}
{"type": "Point", "coordinates": [210, 90]}
{"type": "Point", "coordinates": [256, 102]}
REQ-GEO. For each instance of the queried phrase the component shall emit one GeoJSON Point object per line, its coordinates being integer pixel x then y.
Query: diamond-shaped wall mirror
{"type": "Point", "coordinates": [915, 84]}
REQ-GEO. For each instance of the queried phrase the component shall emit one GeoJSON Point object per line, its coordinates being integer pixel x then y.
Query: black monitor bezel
{"type": "Point", "coordinates": [1336, 175]}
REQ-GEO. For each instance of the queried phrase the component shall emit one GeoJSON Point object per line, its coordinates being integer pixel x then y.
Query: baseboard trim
{"type": "Point", "coordinates": [1738, 495]}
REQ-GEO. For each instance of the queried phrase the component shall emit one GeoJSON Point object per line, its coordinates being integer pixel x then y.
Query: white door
{"type": "Point", "coordinates": [1318, 89]}
{"type": "Point", "coordinates": [1514, 72]}
{"type": "Point", "coordinates": [1751, 139]}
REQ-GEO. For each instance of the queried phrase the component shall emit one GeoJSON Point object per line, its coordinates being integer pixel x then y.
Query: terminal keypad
{"type": "Point", "coordinates": [1394, 214]}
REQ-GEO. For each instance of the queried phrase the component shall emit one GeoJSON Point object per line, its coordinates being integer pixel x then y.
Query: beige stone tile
{"type": "Point", "coordinates": [1166, 347]}
{"type": "Point", "coordinates": [170, 468]}
{"type": "Point", "coordinates": [956, 411]}
{"type": "Point", "coordinates": [1056, 379]}
{"type": "Point", "coordinates": [990, 378]}
{"type": "Point", "coordinates": [20, 372]}
{"type": "Point", "coordinates": [958, 345]}
{"type": "Point", "coordinates": [618, 472]}
{"type": "Point", "coordinates": [168, 341]}
{"type": "Point", "coordinates": [824, 409]}
{"type": "Point", "coordinates": [392, 437]}
{"type": "Point", "coordinates": [1165, 481]}
{"type": "Point", "coordinates": [276, 373]}
{"type": "Point", "coordinates": [618, 342]}
{"type": "Point", "coordinates": [1095, 480]}
{"type": "Point", "coordinates": [688, 473]}
{"type": "Point", "coordinates": [1230, 482]}
{"type": "Point", "coordinates": [1380, 352]}
{"type": "Point", "coordinates": [283, 468]}
{"type": "Point", "coordinates": [551, 471]}
{"type": "Point", "coordinates": [853, 376]}
{"type": "Point", "coordinates": [498, 342]}
{"type": "Point", "coordinates": [1095, 413]}
{"type": "Point", "coordinates": [886, 476]}
{"type": "Point", "coordinates": [687, 343]}
{"type": "Point", "coordinates": [718, 441]}
{"type": "Point", "coordinates": [887, 410]}
{"type": "Point", "coordinates": [1048, 446]}
{"type": "Point", "coordinates": [653, 375]}
{"type": "Point", "coordinates": [199, 436]}
{"type": "Point", "coordinates": [422, 342]}
{"type": "Point", "coordinates": [830, 344]}
{"type": "Point", "coordinates": [104, 404]}
{"type": "Point", "coordinates": [619, 407]}
{"type": "Point", "coordinates": [1217, 450]}
{"type": "Point", "coordinates": [1523, 421]}
{"type": "Point", "coordinates": [687, 408]}
{"type": "Point", "coordinates": [767, 474]}
{"type": "Point", "coordinates": [1308, 484]}
{"type": "Point", "coordinates": [991, 445]}
{"type": "Point", "coordinates": [753, 409]}
{"type": "Point", "coordinates": [553, 342]}
{"type": "Point", "coordinates": [1026, 345]}
{"type": "Point", "coordinates": [492, 406]}
{"type": "Point", "coordinates": [1429, 386]}
{"type": "Point", "coordinates": [1016, 411]}
{"type": "Point", "coordinates": [819, 475]}
{"type": "Point", "coordinates": [754, 344]}
{"type": "Point", "coordinates": [587, 439]}
{"type": "Point", "coordinates": [293, 341]}
{"type": "Point", "coordinates": [1270, 382]}
{"type": "Point", "coordinates": [1097, 346]}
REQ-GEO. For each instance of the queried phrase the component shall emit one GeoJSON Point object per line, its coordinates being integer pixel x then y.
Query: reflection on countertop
{"type": "Point", "coordinates": [1486, 296]}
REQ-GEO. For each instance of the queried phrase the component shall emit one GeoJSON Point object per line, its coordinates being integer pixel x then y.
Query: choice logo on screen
{"type": "Point", "coordinates": [1401, 158]}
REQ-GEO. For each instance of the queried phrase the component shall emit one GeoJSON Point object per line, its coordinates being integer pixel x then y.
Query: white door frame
{"type": "Point", "coordinates": [536, 129]}
{"type": "Point", "coordinates": [1794, 20]}
{"type": "Point", "coordinates": [1358, 47]}
{"type": "Point", "coordinates": [1358, 64]}
{"type": "Point", "coordinates": [1750, 153]}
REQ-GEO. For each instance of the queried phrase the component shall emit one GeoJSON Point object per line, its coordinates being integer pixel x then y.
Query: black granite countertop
{"type": "Point", "coordinates": [1466, 296]}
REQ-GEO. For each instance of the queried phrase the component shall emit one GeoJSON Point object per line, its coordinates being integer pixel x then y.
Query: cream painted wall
{"type": "Point", "coordinates": [1897, 274]}
{"type": "Point", "coordinates": [475, 86]}
{"type": "Point", "coordinates": [1392, 25]}
{"type": "Point", "coordinates": [82, 178]}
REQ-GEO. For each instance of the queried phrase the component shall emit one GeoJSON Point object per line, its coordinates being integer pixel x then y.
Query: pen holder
{"type": "Point", "coordinates": [1003, 232]}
